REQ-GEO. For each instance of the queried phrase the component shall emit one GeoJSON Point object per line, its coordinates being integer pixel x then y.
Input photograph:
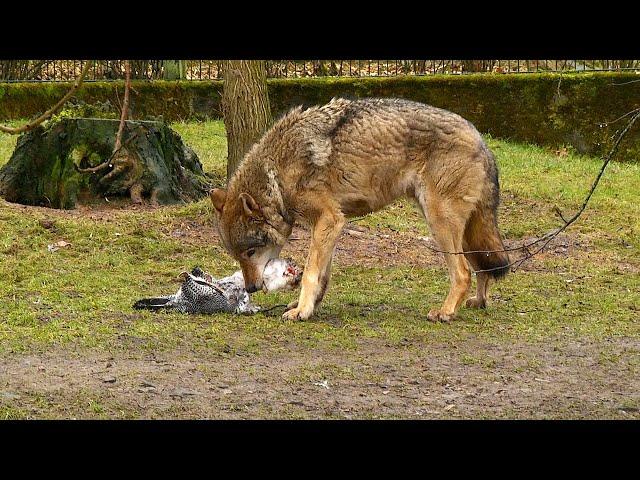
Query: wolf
{"type": "Point", "coordinates": [319, 166]}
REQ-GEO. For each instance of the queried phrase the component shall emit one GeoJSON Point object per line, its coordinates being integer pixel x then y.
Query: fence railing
{"type": "Point", "coordinates": [105, 70]}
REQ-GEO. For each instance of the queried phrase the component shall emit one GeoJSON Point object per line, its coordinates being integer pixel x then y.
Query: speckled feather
{"type": "Point", "coordinates": [198, 295]}
{"type": "Point", "coordinates": [201, 294]}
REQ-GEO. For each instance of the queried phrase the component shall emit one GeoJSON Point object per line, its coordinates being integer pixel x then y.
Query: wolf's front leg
{"type": "Point", "coordinates": [316, 273]}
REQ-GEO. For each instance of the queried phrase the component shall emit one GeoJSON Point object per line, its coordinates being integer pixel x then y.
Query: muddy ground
{"type": "Point", "coordinates": [556, 379]}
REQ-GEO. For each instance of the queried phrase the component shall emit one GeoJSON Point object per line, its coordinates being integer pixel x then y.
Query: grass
{"type": "Point", "coordinates": [8, 142]}
{"type": "Point", "coordinates": [82, 295]}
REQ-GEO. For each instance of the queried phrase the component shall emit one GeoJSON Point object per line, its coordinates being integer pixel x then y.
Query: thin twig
{"type": "Point", "coordinates": [125, 105]}
{"type": "Point", "coordinates": [559, 213]}
{"type": "Point", "coordinates": [118, 99]}
{"type": "Point", "coordinates": [626, 83]}
{"type": "Point", "coordinates": [558, 88]}
{"type": "Point", "coordinates": [273, 307]}
{"type": "Point", "coordinates": [95, 169]}
{"type": "Point", "coordinates": [606, 124]}
{"type": "Point", "coordinates": [107, 162]}
{"type": "Point", "coordinates": [123, 117]}
{"type": "Point", "coordinates": [551, 235]}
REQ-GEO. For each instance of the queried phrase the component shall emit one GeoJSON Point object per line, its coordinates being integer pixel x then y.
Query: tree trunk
{"type": "Point", "coordinates": [245, 107]}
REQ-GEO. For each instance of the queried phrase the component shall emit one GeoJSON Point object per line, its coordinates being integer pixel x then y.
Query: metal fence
{"type": "Point", "coordinates": [105, 70]}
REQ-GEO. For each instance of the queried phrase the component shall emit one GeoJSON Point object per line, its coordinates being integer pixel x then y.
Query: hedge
{"type": "Point", "coordinates": [546, 109]}
{"type": "Point", "coordinates": [171, 100]}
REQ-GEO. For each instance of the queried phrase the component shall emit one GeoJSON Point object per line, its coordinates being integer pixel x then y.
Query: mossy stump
{"type": "Point", "coordinates": [72, 161]}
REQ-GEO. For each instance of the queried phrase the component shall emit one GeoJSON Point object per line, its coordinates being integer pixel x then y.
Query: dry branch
{"type": "Point", "coordinates": [124, 114]}
{"type": "Point", "coordinates": [125, 105]}
{"type": "Point", "coordinates": [53, 110]}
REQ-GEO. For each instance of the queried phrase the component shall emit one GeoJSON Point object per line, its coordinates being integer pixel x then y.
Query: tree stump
{"type": "Point", "coordinates": [72, 161]}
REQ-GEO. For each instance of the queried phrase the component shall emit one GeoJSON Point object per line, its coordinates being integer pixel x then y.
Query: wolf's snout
{"type": "Point", "coordinates": [252, 288]}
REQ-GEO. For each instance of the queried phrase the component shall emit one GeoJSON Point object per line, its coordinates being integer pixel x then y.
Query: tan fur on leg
{"type": "Point", "coordinates": [480, 300]}
{"type": "Point", "coordinates": [314, 280]}
{"type": "Point", "coordinates": [447, 222]}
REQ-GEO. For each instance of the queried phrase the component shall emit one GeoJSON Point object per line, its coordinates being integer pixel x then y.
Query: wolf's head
{"type": "Point", "coordinates": [252, 233]}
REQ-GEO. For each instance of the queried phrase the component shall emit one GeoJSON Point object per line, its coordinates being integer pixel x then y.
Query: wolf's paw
{"type": "Point", "coordinates": [438, 316]}
{"type": "Point", "coordinates": [475, 302]}
{"type": "Point", "coordinates": [297, 314]}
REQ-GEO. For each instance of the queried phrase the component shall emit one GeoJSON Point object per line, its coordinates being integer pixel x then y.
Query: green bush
{"type": "Point", "coordinates": [545, 109]}
{"type": "Point", "coordinates": [170, 100]}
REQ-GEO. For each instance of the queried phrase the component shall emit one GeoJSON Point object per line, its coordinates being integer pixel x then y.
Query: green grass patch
{"type": "Point", "coordinates": [82, 294]}
{"type": "Point", "coordinates": [8, 142]}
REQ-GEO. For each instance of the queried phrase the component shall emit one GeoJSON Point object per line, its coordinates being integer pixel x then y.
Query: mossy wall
{"type": "Point", "coordinates": [547, 109]}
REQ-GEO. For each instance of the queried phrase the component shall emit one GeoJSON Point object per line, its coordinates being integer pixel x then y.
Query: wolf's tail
{"type": "Point", "coordinates": [481, 234]}
{"type": "Point", "coordinates": [157, 303]}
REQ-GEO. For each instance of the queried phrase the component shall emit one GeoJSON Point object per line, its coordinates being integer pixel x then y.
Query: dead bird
{"type": "Point", "coordinates": [200, 293]}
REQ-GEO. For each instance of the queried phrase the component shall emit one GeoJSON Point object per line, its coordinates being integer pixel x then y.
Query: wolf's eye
{"type": "Point", "coordinates": [251, 252]}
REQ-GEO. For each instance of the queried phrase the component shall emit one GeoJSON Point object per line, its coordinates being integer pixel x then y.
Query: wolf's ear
{"type": "Point", "coordinates": [250, 206]}
{"type": "Point", "coordinates": [218, 197]}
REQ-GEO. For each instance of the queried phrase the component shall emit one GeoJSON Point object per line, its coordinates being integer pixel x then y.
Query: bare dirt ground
{"type": "Point", "coordinates": [467, 379]}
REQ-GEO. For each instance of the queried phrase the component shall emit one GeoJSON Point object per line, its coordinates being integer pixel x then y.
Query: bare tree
{"type": "Point", "coordinates": [245, 107]}
{"type": "Point", "coordinates": [125, 106]}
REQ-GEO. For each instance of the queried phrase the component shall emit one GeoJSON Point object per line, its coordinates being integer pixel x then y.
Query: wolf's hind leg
{"type": "Point", "coordinates": [482, 287]}
{"type": "Point", "coordinates": [447, 221]}
{"type": "Point", "coordinates": [316, 273]}
{"type": "Point", "coordinates": [482, 235]}
{"type": "Point", "coordinates": [459, 275]}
